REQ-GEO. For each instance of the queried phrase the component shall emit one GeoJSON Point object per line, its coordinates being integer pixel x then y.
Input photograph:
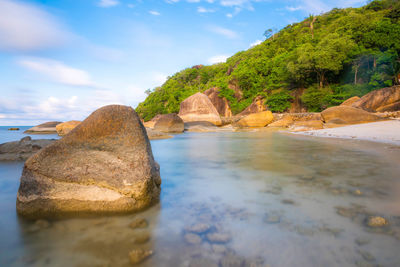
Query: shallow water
{"type": "Point", "coordinates": [276, 200]}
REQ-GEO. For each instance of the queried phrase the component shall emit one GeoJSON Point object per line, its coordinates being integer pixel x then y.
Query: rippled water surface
{"type": "Point", "coordinates": [233, 199]}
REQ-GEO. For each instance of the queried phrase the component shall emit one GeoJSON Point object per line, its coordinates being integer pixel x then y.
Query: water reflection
{"type": "Point", "coordinates": [236, 199]}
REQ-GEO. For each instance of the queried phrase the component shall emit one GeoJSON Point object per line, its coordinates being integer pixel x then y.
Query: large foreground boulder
{"type": "Point", "coordinates": [260, 119]}
{"type": "Point", "coordinates": [169, 123]}
{"type": "Point", "coordinates": [44, 128]}
{"type": "Point", "coordinates": [65, 127]}
{"type": "Point", "coordinates": [220, 103]}
{"type": "Point", "coordinates": [198, 107]}
{"type": "Point", "coordinates": [22, 149]}
{"type": "Point", "coordinates": [105, 165]}
{"type": "Point", "coordinates": [382, 100]}
{"type": "Point", "coordinates": [348, 115]}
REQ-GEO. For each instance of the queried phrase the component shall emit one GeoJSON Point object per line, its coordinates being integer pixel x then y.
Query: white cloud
{"type": "Point", "coordinates": [24, 27]}
{"type": "Point", "coordinates": [293, 8]}
{"type": "Point", "coordinates": [154, 13]}
{"type": "Point", "coordinates": [57, 71]}
{"type": "Point", "coordinates": [256, 43]}
{"type": "Point", "coordinates": [159, 78]}
{"type": "Point", "coordinates": [205, 10]}
{"type": "Point", "coordinates": [108, 3]}
{"type": "Point", "coordinates": [224, 32]}
{"type": "Point", "coordinates": [217, 59]}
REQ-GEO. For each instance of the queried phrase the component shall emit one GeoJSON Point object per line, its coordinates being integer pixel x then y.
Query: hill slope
{"type": "Point", "coordinates": [323, 60]}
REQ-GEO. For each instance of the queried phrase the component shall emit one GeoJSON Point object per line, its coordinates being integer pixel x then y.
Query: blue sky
{"type": "Point", "coordinates": [61, 60]}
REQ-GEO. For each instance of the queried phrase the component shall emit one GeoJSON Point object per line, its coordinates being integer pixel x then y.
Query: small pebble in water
{"type": "Point", "coordinates": [376, 221]}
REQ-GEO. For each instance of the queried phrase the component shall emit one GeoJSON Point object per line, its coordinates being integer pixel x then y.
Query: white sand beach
{"type": "Point", "coordinates": [384, 132]}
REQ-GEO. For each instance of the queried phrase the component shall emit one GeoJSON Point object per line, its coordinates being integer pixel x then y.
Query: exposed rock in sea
{"type": "Point", "coordinates": [198, 107]}
{"type": "Point", "coordinates": [349, 102]}
{"type": "Point", "coordinates": [105, 165]}
{"type": "Point", "coordinates": [260, 119]}
{"type": "Point", "coordinates": [348, 115]}
{"type": "Point", "coordinates": [13, 129]}
{"type": "Point", "coordinates": [23, 149]}
{"type": "Point", "coordinates": [44, 128]}
{"type": "Point", "coordinates": [65, 127]}
{"type": "Point", "coordinates": [256, 106]}
{"type": "Point", "coordinates": [382, 100]}
{"type": "Point", "coordinates": [169, 123]}
{"type": "Point", "coordinates": [220, 103]}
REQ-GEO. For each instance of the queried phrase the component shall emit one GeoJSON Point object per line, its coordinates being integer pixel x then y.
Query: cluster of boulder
{"type": "Point", "coordinates": [208, 111]}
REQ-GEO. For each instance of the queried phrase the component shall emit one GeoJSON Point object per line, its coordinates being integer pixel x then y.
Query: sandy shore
{"type": "Point", "coordinates": [384, 132]}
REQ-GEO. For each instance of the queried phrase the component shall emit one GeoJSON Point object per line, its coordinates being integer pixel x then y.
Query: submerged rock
{"type": "Point", "coordinates": [203, 262]}
{"type": "Point", "coordinates": [138, 255]}
{"type": "Point", "coordinates": [198, 107]}
{"type": "Point", "coordinates": [104, 166]}
{"type": "Point", "coordinates": [192, 239]}
{"type": "Point", "coordinates": [44, 128]}
{"type": "Point", "coordinates": [376, 221]}
{"type": "Point", "coordinates": [169, 123]}
{"type": "Point", "coordinates": [201, 126]}
{"type": "Point", "coordinates": [142, 237]}
{"type": "Point", "coordinates": [139, 223]}
{"type": "Point", "coordinates": [232, 260]}
{"type": "Point", "coordinates": [198, 228]}
{"type": "Point", "coordinates": [156, 135]}
{"type": "Point", "coordinates": [65, 127]}
{"type": "Point", "coordinates": [23, 149]}
{"type": "Point", "coordinates": [219, 238]}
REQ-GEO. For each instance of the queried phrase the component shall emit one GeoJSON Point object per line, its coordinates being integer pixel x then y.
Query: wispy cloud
{"type": "Point", "coordinates": [255, 43]}
{"type": "Point", "coordinates": [205, 10]}
{"type": "Point", "coordinates": [224, 32]}
{"type": "Point", "coordinates": [24, 27]}
{"type": "Point", "coordinates": [108, 3]}
{"type": "Point", "coordinates": [154, 13]}
{"type": "Point", "coordinates": [57, 71]}
{"type": "Point", "coordinates": [217, 59]}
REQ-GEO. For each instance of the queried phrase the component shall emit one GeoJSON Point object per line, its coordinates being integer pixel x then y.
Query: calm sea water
{"type": "Point", "coordinates": [275, 200]}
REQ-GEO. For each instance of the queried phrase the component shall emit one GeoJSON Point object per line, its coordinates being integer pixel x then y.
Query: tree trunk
{"type": "Point", "coordinates": [374, 62]}
{"type": "Point", "coordinates": [355, 74]}
{"type": "Point", "coordinates": [312, 27]}
{"type": "Point", "coordinates": [321, 79]}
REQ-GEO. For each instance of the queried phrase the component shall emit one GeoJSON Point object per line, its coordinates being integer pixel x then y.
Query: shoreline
{"type": "Point", "coordinates": [386, 132]}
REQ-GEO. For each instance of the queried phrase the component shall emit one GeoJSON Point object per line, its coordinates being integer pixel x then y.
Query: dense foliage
{"type": "Point", "coordinates": [334, 56]}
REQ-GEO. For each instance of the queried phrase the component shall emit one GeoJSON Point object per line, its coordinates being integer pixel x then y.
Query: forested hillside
{"type": "Point", "coordinates": [323, 60]}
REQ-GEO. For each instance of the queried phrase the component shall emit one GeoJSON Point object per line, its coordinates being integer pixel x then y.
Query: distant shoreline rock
{"type": "Point", "coordinates": [13, 129]}
{"type": "Point", "coordinates": [44, 128]}
{"type": "Point", "coordinates": [65, 127]}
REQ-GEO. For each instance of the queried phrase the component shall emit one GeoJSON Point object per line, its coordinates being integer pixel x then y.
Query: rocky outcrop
{"type": "Point", "coordinates": [255, 107]}
{"type": "Point", "coordinates": [234, 85]}
{"type": "Point", "coordinates": [152, 122]}
{"type": "Point", "coordinates": [349, 102]}
{"type": "Point", "coordinates": [23, 149]}
{"type": "Point", "coordinates": [198, 107]}
{"type": "Point", "coordinates": [44, 128]}
{"type": "Point", "coordinates": [200, 126]}
{"type": "Point", "coordinates": [105, 165]}
{"type": "Point", "coordinates": [169, 123]}
{"type": "Point", "coordinates": [13, 129]}
{"type": "Point", "coordinates": [220, 103]}
{"type": "Point", "coordinates": [65, 127]}
{"type": "Point", "coordinates": [306, 125]}
{"type": "Point", "coordinates": [285, 120]}
{"type": "Point", "coordinates": [348, 115]}
{"type": "Point", "coordinates": [382, 100]}
{"type": "Point", "coordinates": [260, 119]}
